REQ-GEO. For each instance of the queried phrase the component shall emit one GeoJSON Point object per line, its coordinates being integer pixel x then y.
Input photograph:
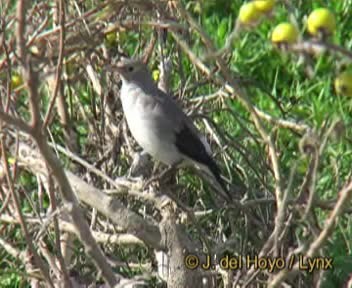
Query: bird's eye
{"type": "Point", "coordinates": [130, 69]}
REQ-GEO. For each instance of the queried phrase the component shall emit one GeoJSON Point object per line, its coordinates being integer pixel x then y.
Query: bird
{"type": "Point", "coordinates": [160, 126]}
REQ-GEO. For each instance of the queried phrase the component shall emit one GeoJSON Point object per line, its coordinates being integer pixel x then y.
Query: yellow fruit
{"type": "Point", "coordinates": [70, 68]}
{"type": "Point", "coordinates": [156, 75]}
{"type": "Point", "coordinates": [34, 50]}
{"type": "Point", "coordinates": [264, 6]}
{"type": "Point", "coordinates": [343, 83]}
{"type": "Point", "coordinates": [111, 38]}
{"type": "Point", "coordinates": [248, 13]}
{"type": "Point", "coordinates": [321, 20]}
{"type": "Point", "coordinates": [197, 9]}
{"type": "Point", "coordinates": [16, 81]}
{"type": "Point", "coordinates": [284, 33]}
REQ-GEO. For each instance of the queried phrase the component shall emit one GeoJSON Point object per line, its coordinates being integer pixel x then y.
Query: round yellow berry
{"type": "Point", "coordinates": [248, 13]}
{"type": "Point", "coordinates": [34, 50]}
{"type": "Point", "coordinates": [70, 68]}
{"type": "Point", "coordinates": [284, 33]}
{"type": "Point", "coordinates": [264, 6]}
{"type": "Point", "coordinates": [343, 84]}
{"type": "Point", "coordinates": [321, 20]}
{"type": "Point", "coordinates": [156, 75]}
{"type": "Point", "coordinates": [16, 81]}
{"type": "Point", "coordinates": [197, 9]}
{"type": "Point", "coordinates": [111, 38]}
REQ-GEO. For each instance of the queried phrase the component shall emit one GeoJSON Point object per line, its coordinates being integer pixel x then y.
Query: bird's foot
{"type": "Point", "coordinates": [158, 177]}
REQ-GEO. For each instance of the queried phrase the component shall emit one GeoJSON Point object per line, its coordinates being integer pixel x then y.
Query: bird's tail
{"type": "Point", "coordinates": [213, 170]}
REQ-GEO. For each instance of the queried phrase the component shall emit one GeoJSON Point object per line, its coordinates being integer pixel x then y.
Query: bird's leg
{"type": "Point", "coordinates": [139, 164]}
{"type": "Point", "coordinates": [169, 171]}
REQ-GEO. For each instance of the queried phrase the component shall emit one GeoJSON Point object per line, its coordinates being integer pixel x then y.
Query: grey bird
{"type": "Point", "coordinates": [159, 125]}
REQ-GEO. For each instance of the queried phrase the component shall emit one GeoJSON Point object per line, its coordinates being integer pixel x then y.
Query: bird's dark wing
{"type": "Point", "coordinates": [189, 144]}
{"type": "Point", "coordinates": [186, 135]}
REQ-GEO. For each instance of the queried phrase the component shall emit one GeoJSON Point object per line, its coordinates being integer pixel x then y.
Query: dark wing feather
{"type": "Point", "coordinates": [190, 145]}
{"type": "Point", "coordinates": [187, 140]}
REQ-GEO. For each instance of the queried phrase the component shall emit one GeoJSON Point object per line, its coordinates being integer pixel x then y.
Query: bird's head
{"type": "Point", "coordinates": [133, 70]}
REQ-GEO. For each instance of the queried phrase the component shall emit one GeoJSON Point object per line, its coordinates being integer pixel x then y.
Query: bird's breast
{"type": "Point", "coordinates": [148, 126]}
